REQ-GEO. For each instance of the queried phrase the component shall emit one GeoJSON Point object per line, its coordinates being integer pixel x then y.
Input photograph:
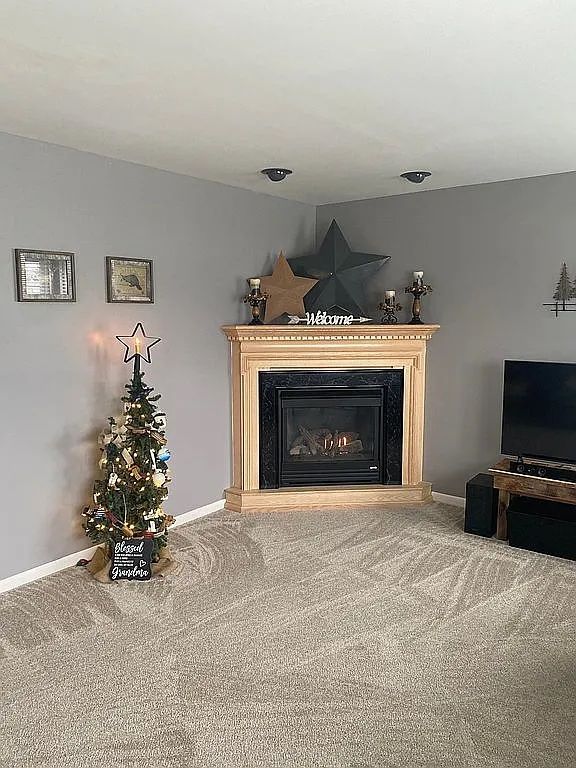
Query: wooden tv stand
{"type": "Point", "coordinates": [510, 483]}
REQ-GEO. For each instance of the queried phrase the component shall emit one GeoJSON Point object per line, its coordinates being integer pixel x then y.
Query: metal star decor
{"type": "Point", "coordinates": [138, 344]}
{"type": "Point", "coordinates": [341, 274]}
{"type": "Point", "coordinates": [285, 291]}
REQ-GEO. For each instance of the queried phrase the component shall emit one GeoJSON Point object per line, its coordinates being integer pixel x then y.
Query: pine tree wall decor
{"type": "Point", "coordinates": [564, 293]}
{"type": "Point", "coordinates": [133, 483]}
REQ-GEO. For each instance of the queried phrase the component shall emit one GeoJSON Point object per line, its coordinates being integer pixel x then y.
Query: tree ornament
{"type": "Point", "coordinates": [163, 454]}
{"type": "Point", "coordinates": [105, 439]}
{"type": "Point", "coordinates": [112, 480]}
{"type": "Point", "coordinates": [98, 514]}
{"type": "Point", "coordinates": [158, 478]}
{"type": "Point", "coordinates": [135, 472]}
{"type": "Point", "coordinates": [138, 345]}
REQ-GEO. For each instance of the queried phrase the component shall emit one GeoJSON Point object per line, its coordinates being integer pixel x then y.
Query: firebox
{"type": "Point", "coordinates": [330, 427]}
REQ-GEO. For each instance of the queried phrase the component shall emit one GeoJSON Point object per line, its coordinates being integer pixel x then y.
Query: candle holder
{"type": "Point", "coordinates": [256, 299]}
{"type": "Point", "coordinates": [417, 289]}
{"type": "Point", "coordinates": [389, 306]}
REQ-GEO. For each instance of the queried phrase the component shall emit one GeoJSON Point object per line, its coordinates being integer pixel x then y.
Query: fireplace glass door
{"type": "Point", "coordinates": [330, 435]}
{"type": "Point", "coordinates": [330, 427]}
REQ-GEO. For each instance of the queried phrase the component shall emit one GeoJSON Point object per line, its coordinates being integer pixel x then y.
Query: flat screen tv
{"type": "Point", "coordinates": [539, 412]}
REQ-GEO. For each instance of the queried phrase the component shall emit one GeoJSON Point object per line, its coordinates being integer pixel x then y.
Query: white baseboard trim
{"type": "Point", "coordinates": [194, 514]}
{"type": "Point", "coordinates": [445, 498]}
{"type": "Point", "coordinates": [44, 570]}
{"type": "Point", "coordinates": [19, 579]}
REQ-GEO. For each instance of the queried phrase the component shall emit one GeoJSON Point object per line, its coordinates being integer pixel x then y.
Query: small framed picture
{"type": "Point", "coordinates": [44, 275]}
{"type": "Point", "coordinates": [129, 280]}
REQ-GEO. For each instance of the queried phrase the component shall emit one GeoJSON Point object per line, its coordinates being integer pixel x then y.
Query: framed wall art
{"type": "Point", "coordinates": [129, 280]}
{"type": "Point", "coordinates": [44, 275]}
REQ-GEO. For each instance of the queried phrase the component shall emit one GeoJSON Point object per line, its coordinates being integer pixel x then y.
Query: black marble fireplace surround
{"type": "Point", "coordinates": [327, 427]}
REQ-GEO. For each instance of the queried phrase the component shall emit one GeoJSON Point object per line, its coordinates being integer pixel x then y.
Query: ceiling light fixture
{"type": "Point", "coordinates": [416, 177]}
{"type": "Point", "coordinates": [276, 174]}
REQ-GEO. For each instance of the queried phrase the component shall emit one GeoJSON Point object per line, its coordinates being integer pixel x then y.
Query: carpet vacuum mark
{"type": "Point", "coordinates": [346, 638]}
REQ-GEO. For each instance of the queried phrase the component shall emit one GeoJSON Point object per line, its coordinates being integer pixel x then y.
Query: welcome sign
{"type": "Point", "coordinates": [323, 318]}
{"type": "Point", "coordinates": [132, 560]}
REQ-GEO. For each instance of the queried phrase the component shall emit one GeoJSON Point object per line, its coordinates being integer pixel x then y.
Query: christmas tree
{"type": "Point", "coordinates": [564, 290]}
{"type": "Point", "coordinates": [133, 484]}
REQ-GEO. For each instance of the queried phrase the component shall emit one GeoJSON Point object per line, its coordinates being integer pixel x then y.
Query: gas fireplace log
{"type": "Point", "coordinates": [347, 437]}
{"type": "Point", "coordinates": [355, 446]}
{"type": "Point", "coordinates": [299, 450]}
{"type": "Point", "coordinates": [311, 440]}
{"type": "Point", "coordinates": [334, 447]}
{"type": "Point", "coordinates": [318, 440]}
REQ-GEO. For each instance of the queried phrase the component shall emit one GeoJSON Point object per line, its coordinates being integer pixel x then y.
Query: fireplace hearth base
{"type": "Point", "coordinates": [324, 348]}
{"type": "Point", "coordinates": [322, 497]}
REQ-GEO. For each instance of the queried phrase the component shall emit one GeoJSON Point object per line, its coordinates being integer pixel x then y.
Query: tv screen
{"type": "Point", "coordinates": [539, 412]}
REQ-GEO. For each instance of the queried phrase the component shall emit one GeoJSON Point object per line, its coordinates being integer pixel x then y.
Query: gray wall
{"type": "Point", "coordinates": [492, 254]}
{"type": "Point", "coordinates": [62, 372]}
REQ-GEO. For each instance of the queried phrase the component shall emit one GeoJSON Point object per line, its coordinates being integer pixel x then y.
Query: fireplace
{"type": "Point", "coordinates": [327, 417]}
{"type": "Point", "coordinates": [330, 427]}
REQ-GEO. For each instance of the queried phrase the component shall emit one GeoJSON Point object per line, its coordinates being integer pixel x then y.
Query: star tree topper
{"type": "Point", "coordinates": [138, 344]}
{"type": "Point", "coordinates": [285, 291]}
{"type": "Point", "coordinates": [341, 275]}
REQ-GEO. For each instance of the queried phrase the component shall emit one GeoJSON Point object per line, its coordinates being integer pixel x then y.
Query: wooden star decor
{"type": "Point", "coordinates": [285, 291]}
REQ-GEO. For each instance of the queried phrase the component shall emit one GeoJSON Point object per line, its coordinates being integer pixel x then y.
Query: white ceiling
{"type": "Point", "coordinates": [348, 93]}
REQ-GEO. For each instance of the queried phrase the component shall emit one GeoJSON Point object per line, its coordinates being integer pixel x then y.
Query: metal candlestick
{"type": "Point", "coordinates": [417, 289]}
{"type": "Point", "coordinates": [389, 306]}
{"type": "Point", "coordinates": [256, 299]}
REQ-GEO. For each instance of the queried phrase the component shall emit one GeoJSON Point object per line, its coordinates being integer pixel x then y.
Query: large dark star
{"type": "Point", "coordinates": [342, 275]}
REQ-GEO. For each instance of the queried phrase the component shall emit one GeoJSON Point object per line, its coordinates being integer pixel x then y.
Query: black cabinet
{"type": "Point", "coordinates": [542, 526]}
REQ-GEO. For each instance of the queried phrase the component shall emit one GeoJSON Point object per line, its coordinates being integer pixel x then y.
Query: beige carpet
{"type": "Point", "coordinates": [348, 639]}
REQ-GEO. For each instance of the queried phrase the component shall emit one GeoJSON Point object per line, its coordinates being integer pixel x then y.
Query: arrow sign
{"type": "Point", "coordinates": [322, 318]}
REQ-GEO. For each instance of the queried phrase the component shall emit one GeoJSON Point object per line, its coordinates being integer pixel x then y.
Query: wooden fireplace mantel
{"type": "Point", "coordinates": [282, 347]}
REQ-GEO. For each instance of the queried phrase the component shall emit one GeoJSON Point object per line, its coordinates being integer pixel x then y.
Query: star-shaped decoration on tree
{"type": "Point", "coordinates": [341, 274]}
{"type": "Point", "coordinates": [138, 344]}
{"type": "Point", "coordinates": [285, 291]}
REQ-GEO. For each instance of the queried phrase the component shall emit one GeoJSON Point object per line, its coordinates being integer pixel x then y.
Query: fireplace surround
{"type": "Point", "coordinates": [330, 427]}
{"type": "Point", "coordinates": [316, 408]}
